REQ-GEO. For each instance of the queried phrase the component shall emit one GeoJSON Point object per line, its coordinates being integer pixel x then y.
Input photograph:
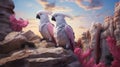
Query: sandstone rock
{"type": "Point", "coordinates": [108, 31]}
{"type": "Point", "coordinates": [117, 36]}
{"type": "Point", "coordinates": [85, 41]}
{"type": "Point", "coordinates": [6, 7]}
{"type": "Point", "coordinates": [31, 36]}
{"type": "Point", "coordinates": [95, 32]}
{"type": "Point", "coordinates": [7, 4]}
{"type": "Point", "coordinates": [45, 44]}
{"type": "Point", "coordinates": [14, 56]}
{"type": "Point", "coordinates": [42, 57]}
{"type": "Point", "coordinates": [116, 19]}
{"type": "Point", "coordinates": [13, 41]}
{"type": "Point", "coordinates": [17, 63]}
{"type": "Point", "coordinates": [19, 40]}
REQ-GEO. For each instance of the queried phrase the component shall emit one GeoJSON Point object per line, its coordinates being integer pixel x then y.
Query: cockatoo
{"type": "Point", "coordinates": [63, 33]}
{"type": "Point", "coordinates": [45, 26]}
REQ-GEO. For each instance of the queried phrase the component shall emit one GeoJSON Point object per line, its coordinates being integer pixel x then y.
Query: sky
{"type": "Point", "coordinates": [83, 12]}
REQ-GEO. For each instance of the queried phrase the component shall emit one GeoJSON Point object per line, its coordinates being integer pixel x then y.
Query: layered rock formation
{"type": "Point", "coordinates": [99, 33]}
{"type": "Point", "coordinates": [27, 50]}
{"type": "Point", "coordinates": [117, 22]}
{"type": "Point", "coordinates": [17, 40]}
{"type": "Point", "coordinates": [42, 57]}
{"type": "Point", "coordinates": [107, 30]}
{"type": "Point", "coordinates": [6, 9]}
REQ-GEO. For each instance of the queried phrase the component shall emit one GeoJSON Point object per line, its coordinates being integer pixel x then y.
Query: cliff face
{"type": "Point", "coordinates": [117, 23]}
{"type": "Point", "coordinates": [99, 33]}
{"type": "Point", "coordinates": [6, 9]}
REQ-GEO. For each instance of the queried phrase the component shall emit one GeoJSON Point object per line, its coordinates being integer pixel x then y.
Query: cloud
{"type": "Point", "coordinates": [51, 6]}
{"type": "Point", "coordinates": [103, 14]}
{"type": "Point", "coordinates": [95, 4]}
{"type": "Point", "coordinates": [29, 5]}
{"type": "Point", "coordinates": [46, 4]}
{"type": "Point", "coordinates": [91, 4]}
{"type": "Point", "coordinates": [61, 9]}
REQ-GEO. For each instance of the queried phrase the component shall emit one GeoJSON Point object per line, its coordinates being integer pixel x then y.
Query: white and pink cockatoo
{"type": "Point", "coordinates": [63, 33]}
{"type": "Point", "coordinates": [45, 26]}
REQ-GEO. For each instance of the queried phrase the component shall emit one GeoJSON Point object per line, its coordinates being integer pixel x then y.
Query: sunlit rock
{"type": "Point", "coordinates": [43, 57]}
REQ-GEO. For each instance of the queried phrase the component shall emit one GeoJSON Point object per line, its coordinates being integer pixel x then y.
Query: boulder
{"type": "Point", "coordinates": [31, 36]}
{"type": "Point", "coordinates": [13, 41]}
{"type": "Point", "coordinates": [19, 40]}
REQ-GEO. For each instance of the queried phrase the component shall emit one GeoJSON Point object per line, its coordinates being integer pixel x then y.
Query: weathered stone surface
{"type": "Point", "coordinates": [117, 22]}
{"type": "Point", "coordinates": [117, 36]}
{"type": "Point", "coordinates": [6, 9]}
{"type": "Point", "coordinates": [19, 40]}
{"type": "Point", "coordinates": [85, 41]}
{"type": "Point", "coordinates": [13, 41]}
{"type": "Point", "coordinates": [45, 44]}
{"type": "Point", "coordinates": [42, 57]}
{"type": "Point", "coordinates": [31, 36]}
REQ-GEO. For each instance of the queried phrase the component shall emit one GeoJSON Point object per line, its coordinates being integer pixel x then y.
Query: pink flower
{"type": "Point", "coordinates": [115, 50]}
{"type": "Point", "coordinates": [82, 56]}
{"type": "Point", "coordinates": [17, 24]}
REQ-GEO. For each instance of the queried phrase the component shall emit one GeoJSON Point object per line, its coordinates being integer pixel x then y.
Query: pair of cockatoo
{"type": "Point", "coordinates": [62, 33]}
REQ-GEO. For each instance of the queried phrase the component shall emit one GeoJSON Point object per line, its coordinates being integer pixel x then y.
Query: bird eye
{"type": "Point", "coordinates": [40, 14]}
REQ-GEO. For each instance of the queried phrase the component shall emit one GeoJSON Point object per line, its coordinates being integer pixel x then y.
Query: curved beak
{"type": "Point", "coordinates": [37, 16]}
{"type": "Point", "coordinates": [53, 18]}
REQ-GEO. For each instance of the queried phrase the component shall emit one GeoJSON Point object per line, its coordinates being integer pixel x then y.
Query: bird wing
{"type": "Point", "coordinates": [50, 28]}
{"type": "Point", "coordinates": [70, 34]}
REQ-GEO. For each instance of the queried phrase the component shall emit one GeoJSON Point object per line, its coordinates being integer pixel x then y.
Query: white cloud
{"type": "Point", "coordinates": [51, 6]}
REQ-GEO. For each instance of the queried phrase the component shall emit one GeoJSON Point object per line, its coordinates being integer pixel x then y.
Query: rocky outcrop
{"type": "Point", "coordinates": [107, 30]}
{"type": "Point", "coordinates": [85, 40]}
{"type": "Point", "coordinates": [6, 9]}
{"type": "Point", "coordinates": [25, 49]}
{"type": "Point", "coordinates": [117, 23]}
{"type": "Point", "coordinates": [42, 57]}
{"type": "Point", "coordinates": [98, 35]}
{"type": "Point", "coordinates": [18, 40]}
